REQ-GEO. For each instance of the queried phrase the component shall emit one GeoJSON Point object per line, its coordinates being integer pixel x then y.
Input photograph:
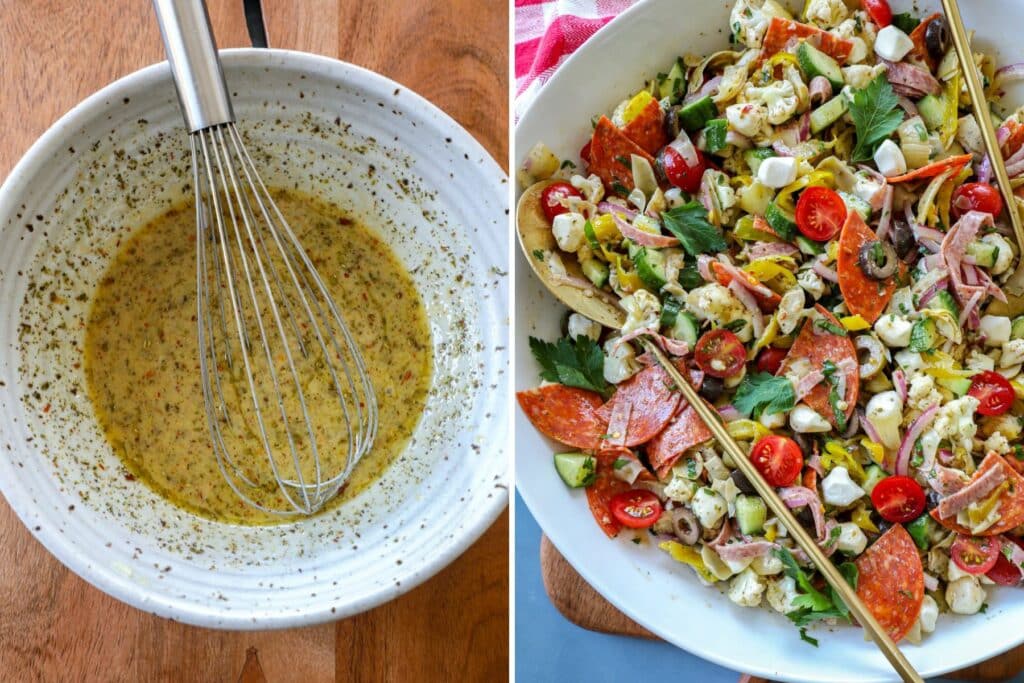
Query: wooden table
{"type": "Point", "coordinates": [54, 626]}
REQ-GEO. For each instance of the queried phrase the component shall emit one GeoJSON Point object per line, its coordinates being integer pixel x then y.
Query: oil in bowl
{"type": "Point", "coordinates": [142, 366]}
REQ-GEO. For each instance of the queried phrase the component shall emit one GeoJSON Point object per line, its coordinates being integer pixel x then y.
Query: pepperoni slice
{"type": "Point", "coordinates": [890, 581]}
{"type": "Point", "coordinates": [652, 400]}
{"type": "Point", "coordinates": [817, 345]}
{"type": "Point", "coordinates": [782, 31]}
{"type": "Point", "coordinates": [566, 414]}
{"type": "Point", "coordinates": [605, 487]}
{"type": "Point", "coordinates": [685, 431]}
{"type": "Point", "coordinates": [864, 296]}
{"type": "Point", "coordinates": [1011, 501]}
{"type": "Point", "coordinates": [610, 152]}
{"type": "Point", "coordinates": [647, 129]}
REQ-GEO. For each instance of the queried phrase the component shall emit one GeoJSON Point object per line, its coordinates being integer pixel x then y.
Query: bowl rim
{"type": "Point", "coordinates": [576, 555]}
{"type": "Point", "coordinates": [138, 595]}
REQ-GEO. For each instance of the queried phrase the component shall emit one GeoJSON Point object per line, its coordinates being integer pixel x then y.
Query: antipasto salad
{"type": "Point", "coordinates": [806, 224]}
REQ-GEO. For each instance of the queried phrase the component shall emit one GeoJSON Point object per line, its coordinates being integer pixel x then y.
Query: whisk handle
{"type": "Point", "coordinates": [192, 52]}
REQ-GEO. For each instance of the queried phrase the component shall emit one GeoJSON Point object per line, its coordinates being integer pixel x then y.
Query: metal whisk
{"type": "Point", "coordinates": [274, 348]}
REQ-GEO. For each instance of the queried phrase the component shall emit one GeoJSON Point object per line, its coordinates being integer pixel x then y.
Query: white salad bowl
{"type": "Point", "coordinates": [338, 132]}
{"type": "Point", "coordinates": [644, 582]}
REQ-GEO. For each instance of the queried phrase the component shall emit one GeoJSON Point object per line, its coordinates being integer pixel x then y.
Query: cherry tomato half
{"type": "Point", "coordinates": [880, 12]}
{"type": "Point", "coordinates": [898, 498]}
{"type": "Point", "coordinates": [820, 213]}
{"type": "Point", "coordinates": [720, 353]}
{"type": "Point", "coordinates": [770, 360]}
{"type": "Point", "coordinates": [993, 391]}
{"type": "Point", "coordinates": [636, 509]}
{"type": "Point", "coordinates": [778, 459]}
{"type": "Point", "coordinates": [1004, 572]}
{"type": "Point", "coordinates": [973, 554]}
{"type": "Point", "coordinates": [551, 196]}
{"type": "Point", "coordinates": [976, 197]}
{"type": "Point", "coordinates": [679, 173]}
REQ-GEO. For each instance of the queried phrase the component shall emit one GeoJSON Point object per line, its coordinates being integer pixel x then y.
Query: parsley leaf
{"type": "Point", "coordinates": [812, 605]}
{"type": "Point", "coordinates": [689, 223]}
{"type": "Point", "coordinates": [574, 363]}
{"type": "Point", "coordinates": [876, 114]}
{"type": "Point", "coordinates": [764, 393]}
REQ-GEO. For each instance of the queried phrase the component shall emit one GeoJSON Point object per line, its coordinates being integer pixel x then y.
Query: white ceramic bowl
{"type": "Point", "coordinates": [642, 581]}
{"type": "Point", "coordinates": [339, 132]}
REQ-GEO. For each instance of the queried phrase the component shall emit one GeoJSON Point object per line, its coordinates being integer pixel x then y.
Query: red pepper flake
{"type": "Point", "coordinates": [46, 408]}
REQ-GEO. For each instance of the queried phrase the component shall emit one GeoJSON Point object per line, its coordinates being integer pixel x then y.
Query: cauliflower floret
{"type": "Point", "coordinates": [811, 282]}
{"type": "Point", "coordinates": [922, 393]}
{"type": "Point", "coordinates": [715, 303]}
{"type": "Point", "coordinates": [747, 118]}
{"type": "Point", "coordinates": [1004, 257]}
{"type": "Point", "coordinates": [859, 30]}
{"type": "Point", "coordinates": [590, 187]}
{"type": "Point", "coordinates": [995, 329]}
{"type": "Point", "coordinates": [1007, 425]}
{"type": "Point", "coordinates": [998, 443]}
{"type": "Point", "coordinates": [746, 588]}
{"type": "Point", "coordinates": [955, 421]}
{"type": "Point", "coordinates": [643, 311]}
{"type": "Point", "coordinates": [826, 13]}
{"type": "Point", "coordinates": [582, 325]}
{"type": "Point", "coordinates": [781, 593]}
{"type": "Point", "coordinates": [708, 507]}
{"type": "Point", "coordinates": [728, 490]}
{"type": "Point", "coordinates": [748, 22]}
{"type": "Point", "coordinates": [619, 363]}
{"type": "Point", "coordinates": [858, 76]}
{"type": "Point", "coordinates": [1013, 353]}
{"type": "Point", "coordinates": [965, 595]}
{"type": "Point", "coordinates": [767, 565]}
{"type": "Point", "coordinates": [978, 361]}
{"type": "Point", "coordinates": [779, 97]}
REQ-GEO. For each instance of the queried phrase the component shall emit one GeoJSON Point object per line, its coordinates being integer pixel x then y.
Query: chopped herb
{"type": "Point", "coordinates": [714, 135]}
{"type": "Point", "coordinates": [917, 459]}
{"type": "Point", "coordinates": [833, 536]}
{"type": "Point", "coordinates": [689, 223]}
{"type": "Point", "coordinates": [568, 163]}
{"type": "Point", "coordinates": [637, 540]}
{"type": "Point", "coordinates": [691, 469]}
{"type": "Point", "coordinates": [620, 189]}
{"type": "Point", "coordinates": [735, 325]}
{"type": "Point", "coordinates": [689, 276]}
{"type": "Point", "coordinates": [829, 326]}
{"type": "Point", "coordinates": [876, 115]}
{"type": "Point", "coordinates": [620, 463]}
{"type": "Point", "coordinates": [812, 605]}
{"type": "Point", "coordinates": [624, 161]}
{"type": "Point", "coordinates": [574, 363]}
{"type": "Point", "coordinates": [760, 393]}
{"type": "Point", "coordinates": [905, 21]}
{"type": "Point", "coordinates": [830, 370]}
{"type": "Point", "coordinates": [538, 254]}
{"type": "Point", "coordinates": [983, 608]}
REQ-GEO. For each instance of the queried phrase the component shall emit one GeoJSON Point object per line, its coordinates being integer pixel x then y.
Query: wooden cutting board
{"type": "Point", "coordinates": [54, 626]}
{"type": "Point", "coordinates": [584, 606]}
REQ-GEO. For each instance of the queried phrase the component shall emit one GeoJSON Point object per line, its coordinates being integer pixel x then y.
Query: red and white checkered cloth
{"type": "Point", "coordinates": [548, 31]}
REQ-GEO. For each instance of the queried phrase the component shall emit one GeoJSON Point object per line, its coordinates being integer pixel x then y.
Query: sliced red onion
{"type": "Point", "coordinates": [747, 550]}
{"type": "Point", "coordinates": [907, 105]}
{"type": "Point", "coordinates": [738, 140]}
{"type": "Point", "coordinates": [932, 291]}
{"type": "Point", "coordinates": [930, 582]}
{"type": "Point", "coordinates": [799, 496]}
{"type": "Point", "coordinates": [746, 297]}
{"type": "Point", "coordinates": [684, 146]}
{"type": "Point", "coordinates": [704, 267]}
{"type": "Point", "coordinates": [1010, 72]}
{"type": "Point", "coordinates": [985, 170]}
{"type": "Point", "coordinates": [617, 209]}
{"type": "Point", "coordinates": [1018, 154]}
{"type": "Point", "coordinates": [819, 89]}
{"type": "Point", "coordinates": [970, 307]}
{"type": "Point", "coordinates": [923, 232]}
{"type": "Point", "coordinates": [814, 462]}
{"type": "Point", "coordinates": [899, 380]}
{"type": "Point", "coordinates": [729, 413]}
{"type": "Point", "coordinates": [853, 426]}
{"type": "Point", "coordinates": [824, 271]}
{"type": "Point", "coordinates": [869, 428]}
{"type": "Point", "coordinates": [724, 534]}
{"type": "Point", "coordinates": [706, 89]}
{"type": "Point", "coordinates": [886, 219]}
{"type": "Point", "coordinates": [945, 456]}
{"type": "Point", "coordinates": [643, 238]}
{"type": "Point", "coordinates": [917, 427]}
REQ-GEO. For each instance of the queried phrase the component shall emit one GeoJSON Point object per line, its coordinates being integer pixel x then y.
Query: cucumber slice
{"type": "Point", "coordinates": [943, 300]}
{"type": "Point", "coordinates": [781, 221]}
{"type": "Point", "coordinates": [828, 113]}
{"type": "Point", "coordinates": [932, 109]}
{"type": "Point", "coordinates": [632, 248]}
{"type": "Point", "coordinates": [650, 266]}
{"type": "Point", "coordinates": [808, 246]}
{"type": "Point", "coordinates": [588, 231]}
{"type": "Point", "coordinates": [755, 156]}
{"type": "Point", "coordinates": [674, 85]}
{"type": "Point", "coordinates": [751, 513]}
{"type": "Point", "coordinates": [596, 271]}
{"type": "Point", "coordinates": [695, 115]}
{"type": "Point", "coordinates": [985, 254]}
{"type": "Point", "coordinates": [924, 335]}
{"type": "Point", "coordinates": [714, 135]}
{"type": "Point", "coordinates": [872, 475]}
{"type": "Point", "coordinates": [855, 203]}
{"type": "Point", "coordinates": [576, 469]}
{"type": "Point", "coordinates": [958, 385]}
{"type": "Point", "coordinates": [813, 62]}
{"type": "Point", "coordinates": [670, 309]}
{"type": "Point", "coordinates": [1017, 328]}
{"type": "Point", "coordinates": [685, 329]}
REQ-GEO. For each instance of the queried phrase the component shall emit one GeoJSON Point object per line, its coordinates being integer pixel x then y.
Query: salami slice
{"type": "Point", "coordinates": [652, 400]}
{"type": "Point", "coordinates": [767, 301]}
{"type": "Point", "coordinates": [781, 32]}
{"type": "Point", "coordinates": [864, 296]}
{"type": "Point", "coordinates": [685, 431]}
{"type": "Point", "coordinates": [1011, 500]}
{"type": "Point", "coordinates": [610, 152]}
{"type": "Point", "coordinates": [566, 414]}
{"type": "Point", "coordinates": [599, 494]}
{"type": "Point", "coordinates": [817, 346]}
{"type": "Point", "coordinates": [647, 129]}
{"type": "Point", "coordinates": [890, 581]}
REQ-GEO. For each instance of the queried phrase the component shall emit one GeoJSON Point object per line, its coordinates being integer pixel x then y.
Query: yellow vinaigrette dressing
{"type": "Point", "coordinates": [142, 366]}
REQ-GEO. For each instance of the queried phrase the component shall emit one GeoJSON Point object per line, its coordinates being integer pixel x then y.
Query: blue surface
{"type": "Point", "coordinates": [550, 648]}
